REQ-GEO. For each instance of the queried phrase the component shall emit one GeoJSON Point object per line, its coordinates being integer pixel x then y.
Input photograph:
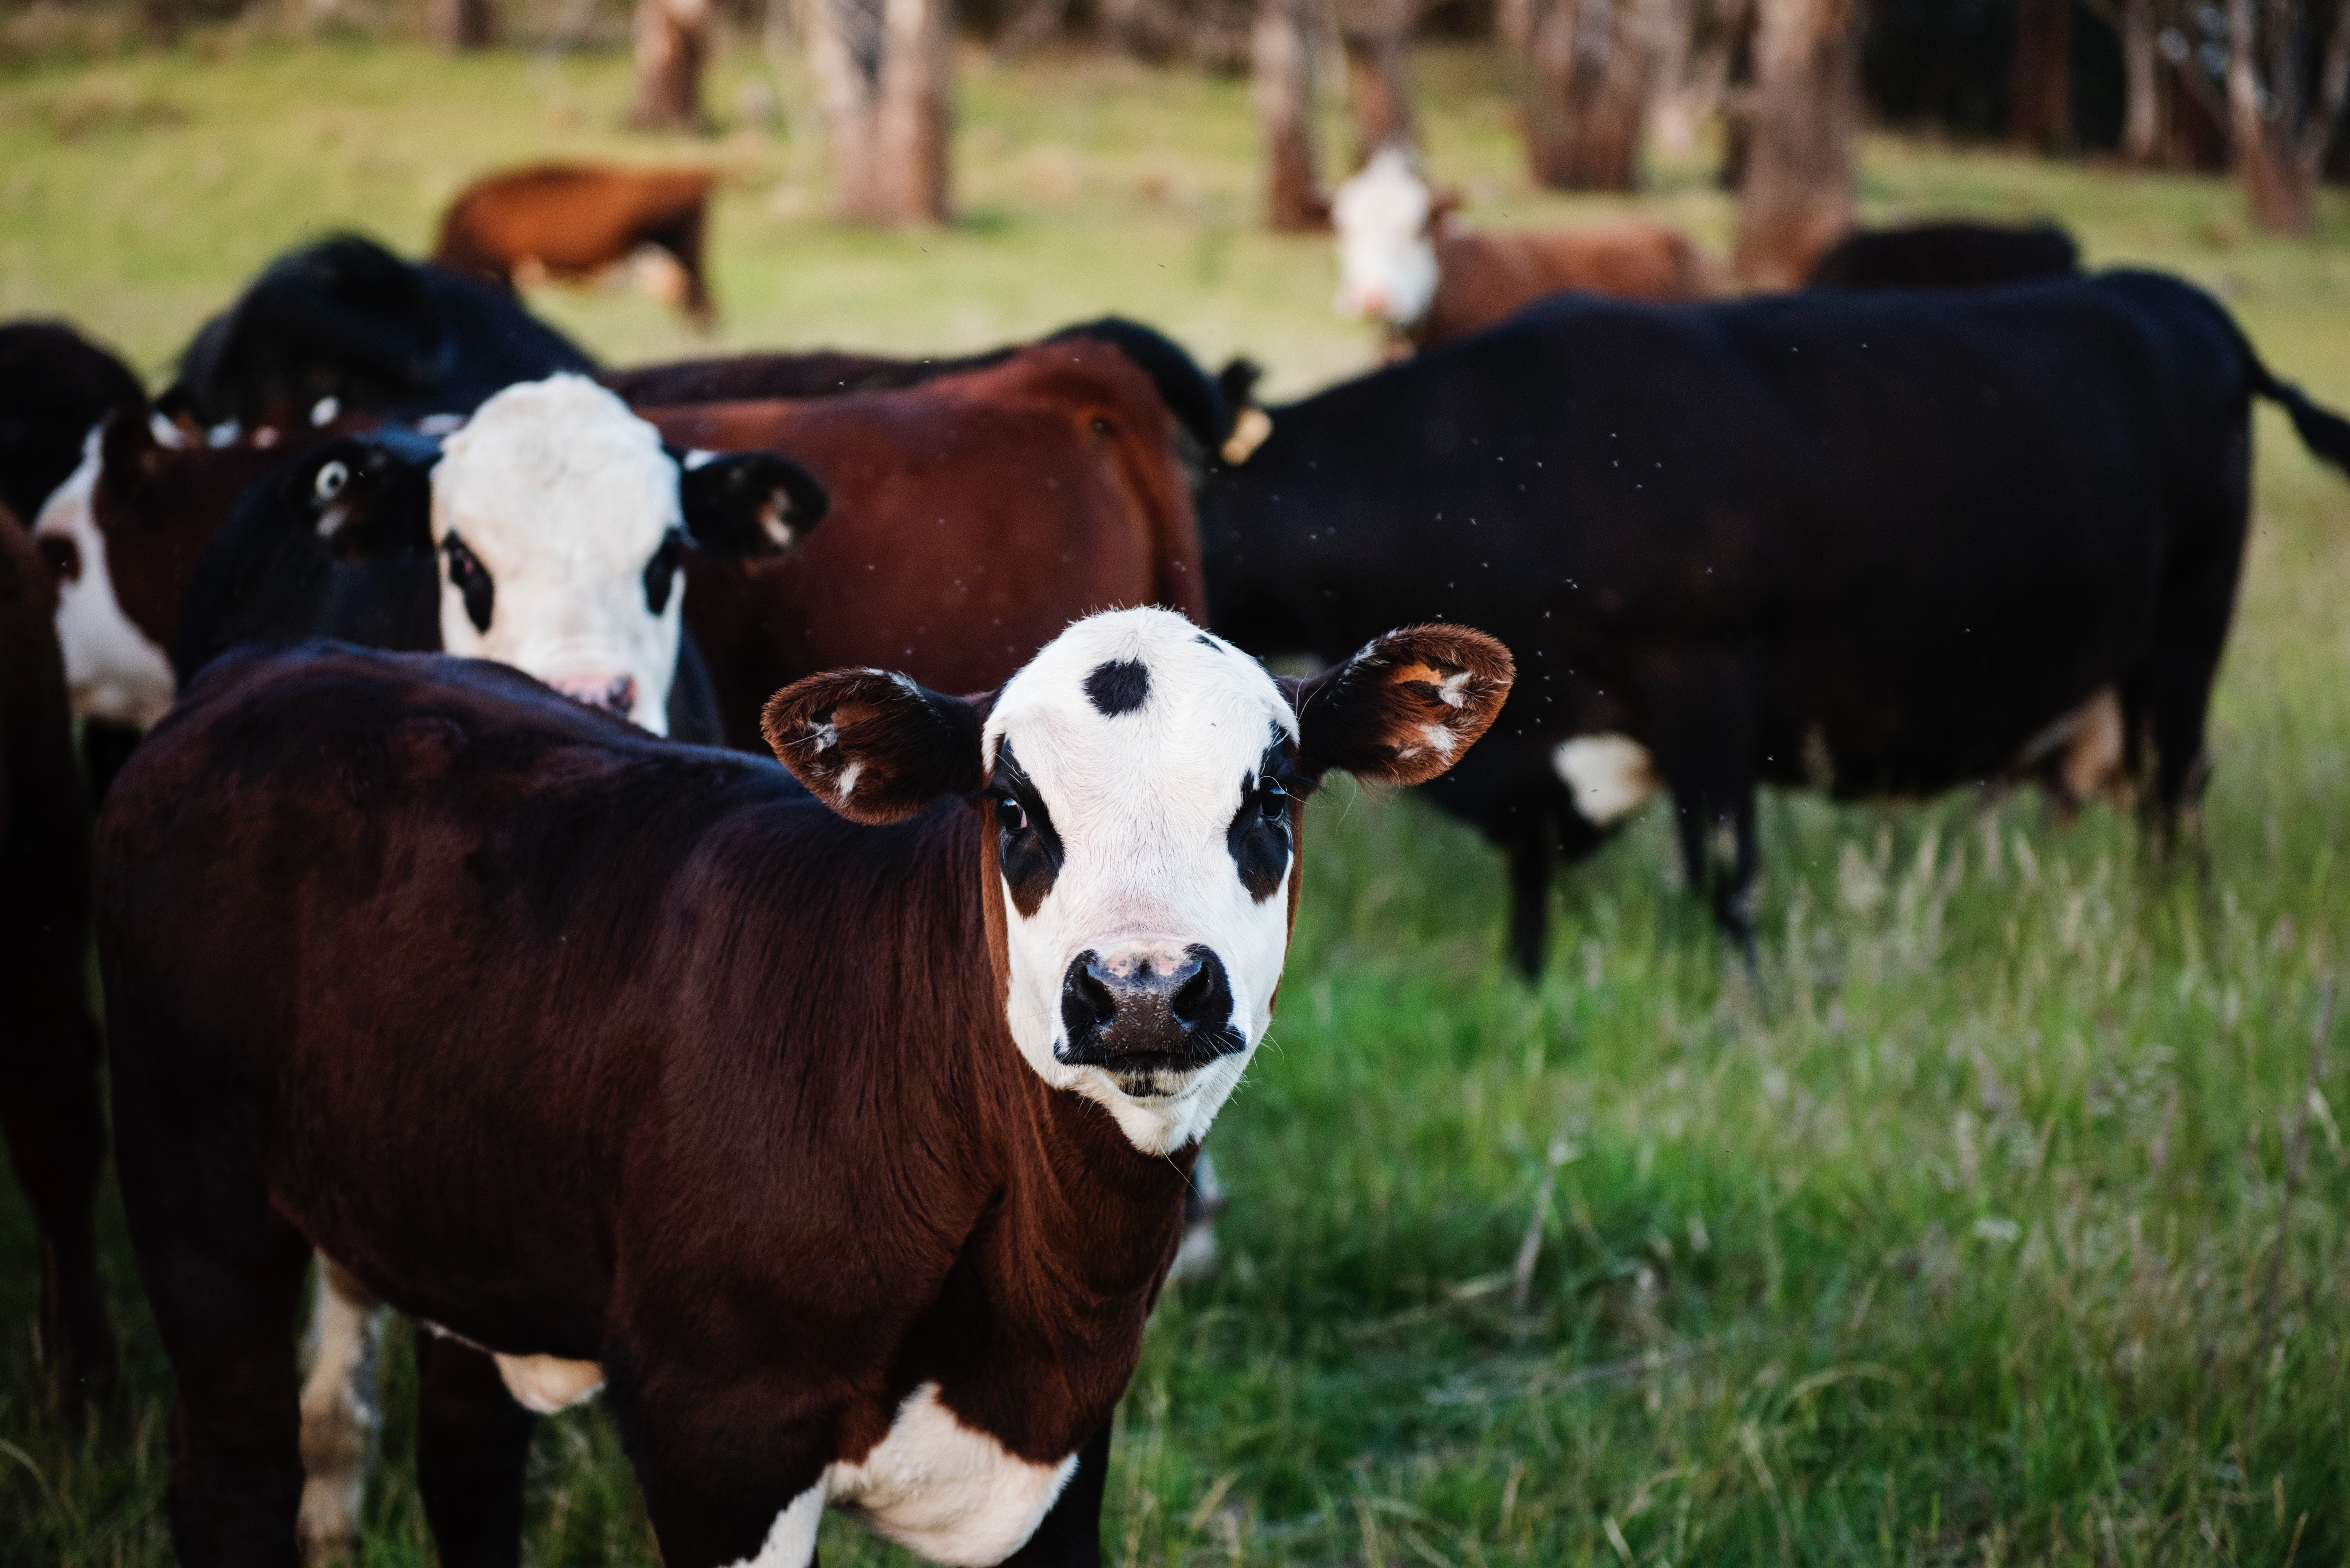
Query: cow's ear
{"type": "Point", "coordinates": [128, 453]}
{"type": "Point", "coordinates": [874, 746]}
{"type": "Point", "coordinates": [368, 497]}
{"type": "Point", "coordinates": [1406, 708]}
{"type": "Point", "coordinates": [748, 503]}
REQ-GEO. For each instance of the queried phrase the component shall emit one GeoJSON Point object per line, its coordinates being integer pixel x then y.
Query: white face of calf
{"type": "Point", "coordinates": [1143, 786]}
{"type": "Point", "coordinates": [556, 516]}
{"type": "Point", "coordinates": [1387, 252]}
{"type": "Point", "coordinates": [113, 669]}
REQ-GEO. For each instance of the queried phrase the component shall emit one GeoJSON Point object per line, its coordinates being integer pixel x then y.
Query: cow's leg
{"type": "Point", "coordinates": [56, 1142]}
{"type": "Point", "coordinates": [472, 1442]}
{"type": "Point", "coordinates": [1530, 865]}
{"type": "Point", "coordinates": [727, 1477]}
{"type": "Point", "coordinates": [1706, 725]}
{"type": "Point", "coordinates": [1070, 1535]}
{"type": "Point", "coordinates": [339, 1411]}
{"type": "Point", "coordinates": [682, 239]}
{"type": "Point", "coordinates": [223, 1271]}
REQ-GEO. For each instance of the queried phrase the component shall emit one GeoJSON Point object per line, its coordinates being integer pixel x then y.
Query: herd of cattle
{"type": "Point", "coordinates": [840, 1119]}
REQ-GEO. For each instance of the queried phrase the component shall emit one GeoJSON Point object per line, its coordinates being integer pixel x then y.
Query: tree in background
{"type": "Point", "coordinates": [883, 69]}
{"type": "Point", "coordinates": [1282, 83]}
{"type": "Point", "coordinates": [1796, 196]}
{"type": "Point", "coordinates": [1379, 93]}
{"type": "Point", "coordinates": [2276, 135]}
{"type": "Point", "coordinates": [673, 45]}
{"type": "Point", "coordinates": [1592, 65]}
{"type": "Point", "coordinates": [455, 26]}
{"type": "Point", "coordinates": [2042, 111]}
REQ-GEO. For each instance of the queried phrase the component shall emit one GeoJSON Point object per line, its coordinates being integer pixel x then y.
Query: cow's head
{"type": "Point", "coordinates": [116, 668]}
{"type": "Point", "coordinates": [1142, 785]}
{"type": "Point", "coordinates": [560, 524]}
{"type": "Point", "coordinates": [1387, 217]}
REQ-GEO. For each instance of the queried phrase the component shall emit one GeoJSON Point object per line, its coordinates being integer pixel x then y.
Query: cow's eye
{"type": "Point", "coordinates": [1272, 800]}
{"type": "Point", "coordinates": [1009, 815]}
{"type": "Point", "coordinates": [331, 479]}
{"type": "Point", "coordinates": [660, 573]}
{"type": "Point", "coordinates": [471, 578]}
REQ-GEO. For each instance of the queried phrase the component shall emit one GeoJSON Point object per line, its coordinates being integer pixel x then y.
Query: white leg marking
{"type": "Point", "coordinates": [339, 1413]}
{"type": "Point", "coordinates": [2092, 757]}
{"type": "Point", "coordinates": [1611, 776]}
{"type": "Point", "coordinates": [952, 1494]}
{"type": "Point", "coordinates": [791, 1540]}
{"type": "Point", "coordinates": [547, 1384]}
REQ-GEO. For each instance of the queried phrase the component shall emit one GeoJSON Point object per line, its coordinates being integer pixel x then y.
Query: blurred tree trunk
{"type": "Point", "coordinates": [1282, 84]}
{"type": "Point", "coordinates": [455, 26]}
{"type": "Point", "coordinates": [1587, 94]}
{"type": "Point", "coordinates": [160, 20]}
{"type": "Point", "coordinates": [672, 45]}
{"type": "Point", "coordinates": [883, 70]}
{"type": "Point", "coordinates": [1797, 193]}
{"type": "Point", "coordinates": [2042, 114]}
{"type": "Point", "coordinates": [2141, 84]}
{"type": "Point", "coordinates": [1147, 29]}
{"type": "Point", "coordinates": [2279, 149]}
{"type": "Point", "coordinates": [1377, 89]}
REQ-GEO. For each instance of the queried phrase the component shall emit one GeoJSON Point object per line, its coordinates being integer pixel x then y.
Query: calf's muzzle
{"type": "Point", "coordinates": [1148, 1010]}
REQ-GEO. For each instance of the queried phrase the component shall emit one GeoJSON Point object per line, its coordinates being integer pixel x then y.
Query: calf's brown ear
{"type": "Point", "coordinates": [1406, 708]}
{"type": "Point", "coordinates": [874, 746]}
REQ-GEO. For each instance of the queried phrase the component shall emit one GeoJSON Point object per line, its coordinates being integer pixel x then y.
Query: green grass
{"type": "Point", "coordinates": [1950, 1240]}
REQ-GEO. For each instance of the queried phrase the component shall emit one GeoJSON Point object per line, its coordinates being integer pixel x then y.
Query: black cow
{"type": "Point", "coordinates": [347, 320]}
{"type": "Point", "coordinates": [340, 540]}
{"type": "Point", "coordinates": [1874, 544]}
{"type": "Point", "coordinates": [1946, 256]}
{"type": "Point", "coordinates": [56, 386]}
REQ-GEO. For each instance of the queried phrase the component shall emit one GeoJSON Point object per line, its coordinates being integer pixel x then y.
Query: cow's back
{"type": "Point", "coordinates": [973, 518]}
{"type": "Point", "coordinates": [487, 965]}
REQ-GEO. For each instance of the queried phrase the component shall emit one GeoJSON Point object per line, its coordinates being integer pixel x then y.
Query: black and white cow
{"type": "Point", "coordinates": [548, 533]}
{"type": "Point", "coordinates": [846, 1148]}
{"type": "Point", "coordinates": [1874, 543]}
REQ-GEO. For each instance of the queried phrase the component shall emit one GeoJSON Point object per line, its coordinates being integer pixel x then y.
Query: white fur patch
{"type": "Point", "coordinates": [1386, 257]}
{"type": "Point", "coordinates": [563, 496]}
{"type": "Point", "coordinates": [791, 1540]}
{"type": "Point", "coordinates": [340, 1410]}
{"type": "Point", "coordinates": [546, 1384]}
{"type": "Point", "coordinates": [1142, 800]}
{"type": "Point", "coordinates": [113, 669]}
{"type": "Point", "coordinates": [1611, 776]}
{"type": "Point", "coordinates": [938, 1488]}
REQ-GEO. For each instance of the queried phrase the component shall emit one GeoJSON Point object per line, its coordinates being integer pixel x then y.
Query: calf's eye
{"type": "Point", "coordinates": [660, 573]}
{"type": "Point", "coordinates": [1009, 816]}
{"type": "Point", "coordinates": [1272, 800]}
{"type": "Point", "coordinates": [471, 578]}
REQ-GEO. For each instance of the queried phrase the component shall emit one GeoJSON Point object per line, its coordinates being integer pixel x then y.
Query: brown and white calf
{"type": "Point", "coordinates": [846, 1148]}
{"type": "Point", "coordinates": [1406, 260]}
{"type": "Point", "coordinates": [576, 220]}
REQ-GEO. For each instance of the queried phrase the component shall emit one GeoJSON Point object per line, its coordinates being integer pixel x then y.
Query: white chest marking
{"type": "Point", "coordinates": [934, 1486]}
{"type": "Point", "coordinates": [1611, 776]}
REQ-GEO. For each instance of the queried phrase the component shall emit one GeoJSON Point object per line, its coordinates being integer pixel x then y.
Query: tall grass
{"type": "Point", "coordinates": [1998, 1218]}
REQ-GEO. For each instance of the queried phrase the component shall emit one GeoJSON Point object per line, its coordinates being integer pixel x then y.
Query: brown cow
{"type": "Point", "coordinates": [49, 1041]}
{"type": "Point", "coordinates": [572, 221]}
{"type": "Point", "coordinates": [1406, 260]}
{"type": "Point", "coordinates": [848, 1154]}
{"type": "Point", "coordinates": [973, 517]}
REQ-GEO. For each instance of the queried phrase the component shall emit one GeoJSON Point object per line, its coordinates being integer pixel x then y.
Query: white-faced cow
{"type": "Point", "coordinates": [1406, 259]}
{"type": "Point", "coordinates": [550, 533]}
{"type": "Point", "coordinates": [846, 1148]}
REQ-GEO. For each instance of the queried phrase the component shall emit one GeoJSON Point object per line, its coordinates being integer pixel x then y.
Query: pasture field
{"type": "Point", "coordinates": [2001, 1218]}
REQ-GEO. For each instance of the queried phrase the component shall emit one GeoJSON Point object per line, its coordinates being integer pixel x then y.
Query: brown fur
{"type": "Point", "coordinates": [574, 220]}
{"type": "Point", "coordinates": [1483, 278]}
{"type": "Point", "coordinates": [973, 518]}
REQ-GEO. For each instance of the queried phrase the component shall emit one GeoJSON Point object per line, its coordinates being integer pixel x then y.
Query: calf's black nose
{"type": "Point", "coordinates": [1141, 1014]}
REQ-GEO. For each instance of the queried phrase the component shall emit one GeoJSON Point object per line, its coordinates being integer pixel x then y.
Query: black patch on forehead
{"type": "Point", "coordinates": [1119, 686]}
{"type": "Point", "coordinates": [1259, 837]}
{"type": "Point", "coordinates": [1027, 847]}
